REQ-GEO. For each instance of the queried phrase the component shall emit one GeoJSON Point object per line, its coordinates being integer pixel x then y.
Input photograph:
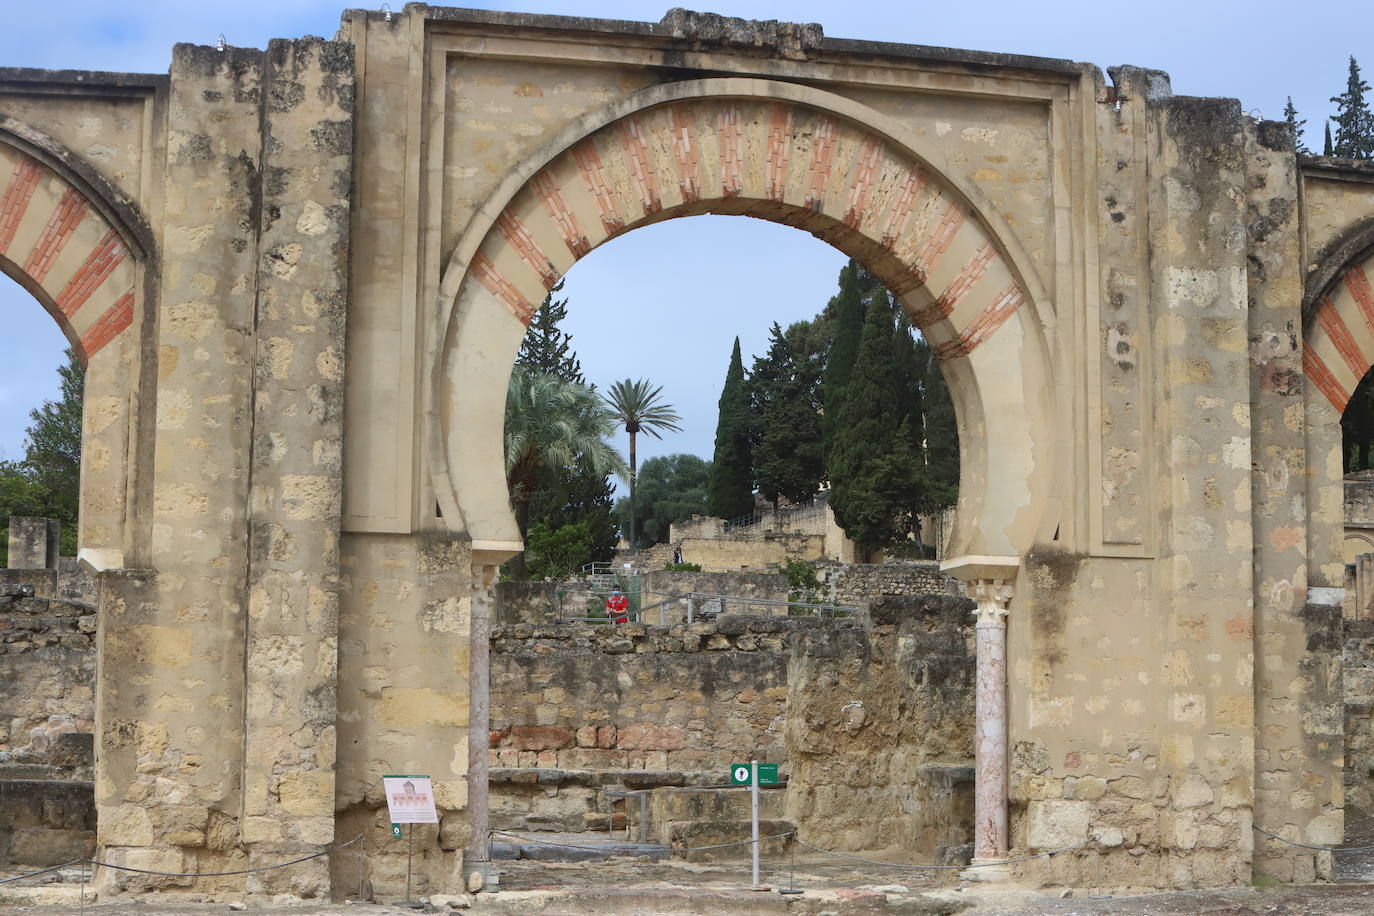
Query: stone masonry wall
{"type": "Point", "coordinates": [47, 663]}
{"type": "Point", "coordinates": [857, 583]}
{"type": "Point", "coordinates": [1357, 669]}
{"type": "Point", "coordinates": [880, 728]}
{"type": "Point", "coordinates": [631, 697]}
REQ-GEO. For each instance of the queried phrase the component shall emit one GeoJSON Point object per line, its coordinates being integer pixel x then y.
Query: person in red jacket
{"type": "Point", "coordinates": [617, 606]}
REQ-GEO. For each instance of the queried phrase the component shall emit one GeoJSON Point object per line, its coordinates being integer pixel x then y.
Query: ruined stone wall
{"type": "Point", "coordinates": [47, 663]}
{"type": "Point", "coordinates": [1357, 673]}
{"type": "Point", "coordinates": [630, 697]}
{"type": "Point", "coordinates": [880, 728]}
{"type": "Point", "coordinates": [854, 584]}
{"type": "Point", "coordinates": [762, 553]}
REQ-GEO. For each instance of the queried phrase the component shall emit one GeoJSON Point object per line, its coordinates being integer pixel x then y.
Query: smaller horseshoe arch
{"type": "Point", "coordinates": [63, 241]}
{"type": "Point", "coordinates": [787, 154]}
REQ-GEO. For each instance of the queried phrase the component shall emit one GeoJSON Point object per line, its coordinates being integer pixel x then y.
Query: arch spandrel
{"type": "Point", "coordinates": [782, 153]}
{"type": "Point", "coordinates": [59, 241]}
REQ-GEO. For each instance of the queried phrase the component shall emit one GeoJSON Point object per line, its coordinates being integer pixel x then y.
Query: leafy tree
{"type": "Point", "coordinates": [578, 495]}
{"type": "Point", "coordinates": [637, 407]}
{"type": "Point", "coordinates": [47, 483]}
{"type": "Point", "coordinates": [784, 391]}
{"type": "Point", "coordinates": [556, 553]}
{"type": "Point", "coordinates": [730, 492]}
{"type": "Point", "coordinates": [552, 423]}
{"type": "Point", "coordinates": [1354, 120]}
{"type": "Point", "coordinates": [672, 488]}
{"type": "Point", "coordinates": [1357, 427]}
{"type": "Point", "coordinates": [1290, 116]}
{"type": "Point", "coordinates": [547, 348]}
{"type": "Point", "coordinates": [873, 463]}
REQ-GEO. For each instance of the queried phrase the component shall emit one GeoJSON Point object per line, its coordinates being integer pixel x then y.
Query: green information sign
{"type": "Point", "coordinates": [396, 831]}
{"type": "Point", "coordinates": [739, 774]}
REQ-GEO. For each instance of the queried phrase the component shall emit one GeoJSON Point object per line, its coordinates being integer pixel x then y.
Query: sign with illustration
{"type": "Point", "coordinates": [410, 799]}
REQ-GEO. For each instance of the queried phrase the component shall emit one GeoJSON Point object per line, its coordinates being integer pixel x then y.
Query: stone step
{"type": "Point", "coordinates": [572, 847]}
{"type": "Point", "coordinates": [710, 804]}
{"type": "Point", "coordinates": [688, 839]}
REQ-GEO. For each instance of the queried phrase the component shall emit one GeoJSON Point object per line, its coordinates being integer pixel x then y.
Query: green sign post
{"type": "Point", "coordinates": [768, 774]}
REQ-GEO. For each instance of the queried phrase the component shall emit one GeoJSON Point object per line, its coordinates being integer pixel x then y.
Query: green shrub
{"type": "Point", "coordinates": [682, 567]}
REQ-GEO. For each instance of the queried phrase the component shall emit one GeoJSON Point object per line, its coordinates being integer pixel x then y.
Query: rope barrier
{"type": "Point", "coordinates": [538, 842]}
{"type": "Point", "coordinates": [1038, 855]}
{"type": "Point", "coordinates": [1310, 845]}
{"type": "Point", "coordinates": [198, 874]}
{"type": "Point", "coordinates": [44, 871]}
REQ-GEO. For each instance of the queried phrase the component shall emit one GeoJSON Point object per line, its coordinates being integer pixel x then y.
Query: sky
{"type": "Point", "coordinates": [636, 306]}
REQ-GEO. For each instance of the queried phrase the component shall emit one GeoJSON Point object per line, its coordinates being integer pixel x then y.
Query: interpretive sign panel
{"type": "Point", "coordinates": [410, 799]}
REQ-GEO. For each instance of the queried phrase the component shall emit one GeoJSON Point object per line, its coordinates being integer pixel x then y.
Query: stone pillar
{"type": "Point", "coordinates": [296, 490]}
{"type": "Point", "coordinates": [33, 542]}
{"type": "Point", "coordinates": [988, 581]}
{"type": "Point", "coordinates": [477, 857]}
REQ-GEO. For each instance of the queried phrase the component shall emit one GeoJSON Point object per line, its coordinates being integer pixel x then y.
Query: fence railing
{"type": "Point", "coordinates": [694, 606]}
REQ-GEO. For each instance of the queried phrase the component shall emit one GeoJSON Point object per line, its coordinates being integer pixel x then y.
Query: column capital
{"type": "Point", "coordinates": [990, 581]}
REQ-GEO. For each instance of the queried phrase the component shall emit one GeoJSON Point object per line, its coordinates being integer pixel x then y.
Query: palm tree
{"type": "Point", "coordinates": [636, 406]}
{"type": "Point", "coordinates": [551, 423]}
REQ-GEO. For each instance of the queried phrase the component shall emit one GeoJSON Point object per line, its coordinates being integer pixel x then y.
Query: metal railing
{"type": "Point", "coordinates": [694, 606]}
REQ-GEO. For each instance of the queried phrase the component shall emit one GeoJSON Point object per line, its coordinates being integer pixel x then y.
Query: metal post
{"type": "Point", "coordinates": [754, 815]}
{"type": "Point", "coordinates": [691, 607]}
{"type": "Point", "coordinates": [410, 855]}
{"type": "Point", "coordinates": [643, 817]}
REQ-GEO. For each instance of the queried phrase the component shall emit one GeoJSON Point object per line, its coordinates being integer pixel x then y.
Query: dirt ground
{"type": "Point", "coordinates": [642, 887]}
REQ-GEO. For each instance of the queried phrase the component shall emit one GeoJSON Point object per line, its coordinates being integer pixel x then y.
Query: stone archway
{"type": "Point", "coordinates": [774, 151]}
{"type": "Point", "coordinates": [74, 247]}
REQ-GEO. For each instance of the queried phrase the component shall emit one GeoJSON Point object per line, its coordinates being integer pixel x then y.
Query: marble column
{"type": "Point", "coordinates": [989, 581]}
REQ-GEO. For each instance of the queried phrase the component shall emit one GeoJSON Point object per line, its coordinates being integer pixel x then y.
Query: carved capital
{"type": "Point", "coordinates": [993, 596]}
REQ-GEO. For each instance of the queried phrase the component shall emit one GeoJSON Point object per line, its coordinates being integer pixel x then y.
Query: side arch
{"type": "Point", "coordinates": [789, 154]}
{"type": "Point", "coordinates": [1338, 349]}
{"type": "Point", "coordinates": [82, 251]}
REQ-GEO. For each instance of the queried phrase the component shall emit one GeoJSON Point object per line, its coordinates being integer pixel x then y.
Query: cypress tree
{"type": "Point", "coordinates": [729, 489]}
{"type": "Point", "coordinates": [1354, 120]}
{"type": "Point", "coordinates": [546, 348]}
{"type": "Point", "coordinates": [1326, 144]}
{"type": "Point", "coordinates": [1290, 116]}
{"type": "Point", "coordinates": [873, 465]}
{"type": "Point", "coordinates": [846, 329]}
{"type": "Point", "coordinates": [787, 453]}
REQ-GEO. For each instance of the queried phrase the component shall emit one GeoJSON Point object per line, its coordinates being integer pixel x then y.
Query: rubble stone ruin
{"type": "Point", "coordinates": [299, 278]}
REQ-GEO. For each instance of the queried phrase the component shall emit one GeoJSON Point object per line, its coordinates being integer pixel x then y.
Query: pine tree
{"type": "Point", "coordinates": [1354, 120]}
{"type": "Point", "coordinates": [729, 489]}
{"type": "Point", "coordinates": [546, 348]}
{"type": "Point", "coordinates": [783, 393]}
{"type": "Point", "coordinates": [873, 465]}
{"type": "Point", "coordinates": [1290, 116]}
{"type": "Point", "coordinates": [846, 329]}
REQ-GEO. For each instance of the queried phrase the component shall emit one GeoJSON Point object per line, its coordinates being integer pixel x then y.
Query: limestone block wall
{"type": "Point", "coordinates": [1357, 673]}
{"type": "Point", "coordinates": [47, 664]}
{"type": "Point", "coordinates": [879, 736]}
{"type": "Point", "coordinates": [630, 697]}
{"type": "Point", "coordinates": [762, 553]}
